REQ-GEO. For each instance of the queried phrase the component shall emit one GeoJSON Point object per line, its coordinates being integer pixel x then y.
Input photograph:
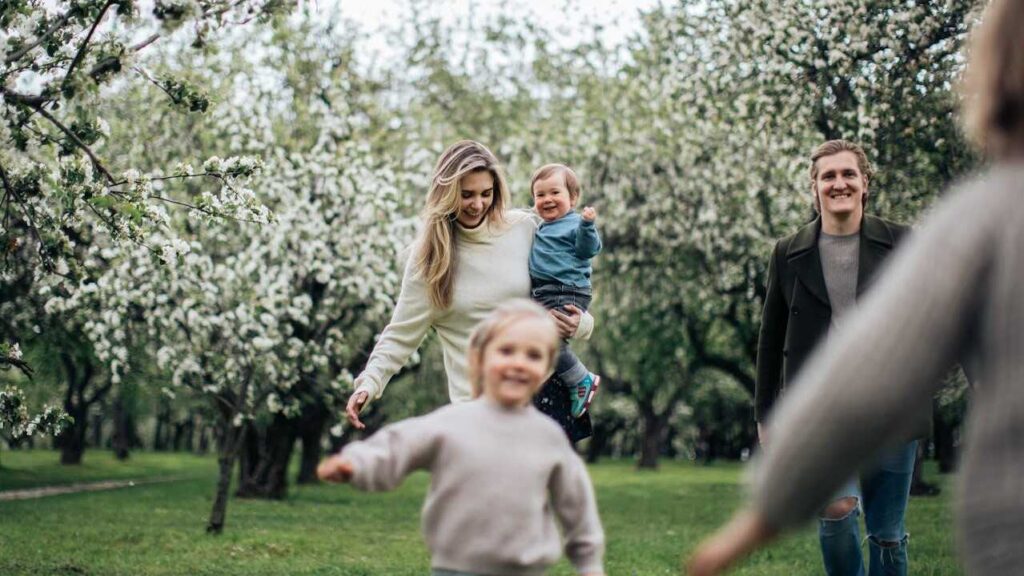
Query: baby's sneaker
{"type": "Point", "coordinates": [584, 395]}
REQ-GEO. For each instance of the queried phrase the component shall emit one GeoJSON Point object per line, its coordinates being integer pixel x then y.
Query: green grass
{"type": "Point", "coordinates": [36, 468]}
{"type": "Point", "coordinates": [651, 519]}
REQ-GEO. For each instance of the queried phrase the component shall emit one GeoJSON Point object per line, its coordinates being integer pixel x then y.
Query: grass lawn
{"type": "Point", "coordinates": [651, 519]}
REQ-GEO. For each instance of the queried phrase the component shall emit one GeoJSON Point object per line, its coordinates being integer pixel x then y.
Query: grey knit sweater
{"type": "Point", "coordinates": [955, 287]}
{"type": "Point", "coordinates": [500, 477]}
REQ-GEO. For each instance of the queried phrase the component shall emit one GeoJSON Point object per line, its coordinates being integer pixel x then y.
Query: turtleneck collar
{"type": "Point", "coordinates": [481, 234]}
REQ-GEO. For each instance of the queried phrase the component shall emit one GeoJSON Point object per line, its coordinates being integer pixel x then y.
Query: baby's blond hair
{"type": "Point", "coordinates": [498, 320]}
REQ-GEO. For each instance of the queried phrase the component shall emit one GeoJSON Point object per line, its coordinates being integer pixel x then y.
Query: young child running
{"type": "Point", "coordinates": [502, 471]}
{"type": "Point", "coordinates": [560, 265]}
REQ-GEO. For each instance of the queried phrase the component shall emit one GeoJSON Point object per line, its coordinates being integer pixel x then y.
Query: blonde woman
{"type": "Point", "coordinates": [952, 290]}
{"type": "Point", "coordinates": [471, 256]}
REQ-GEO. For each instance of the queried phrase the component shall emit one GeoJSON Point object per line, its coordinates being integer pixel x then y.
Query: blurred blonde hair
{"type": "Point", "coordinates": [515, 310]}
{"type": "Point", "coordinates": [993, 86]}
{"type": "Point", "coordinates": [435, 257]}
{"type": "Point", "coordinates": [572, 182]}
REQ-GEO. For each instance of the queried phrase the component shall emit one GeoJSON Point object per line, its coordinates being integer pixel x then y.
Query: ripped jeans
{"type": "Point", "coordinates": [882, 494]}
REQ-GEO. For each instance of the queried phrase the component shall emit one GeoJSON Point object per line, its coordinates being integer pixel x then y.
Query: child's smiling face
{"type": "Point", "coordinates": [551, 198]}
{"type": "Point", "coordinates": [516, 362]}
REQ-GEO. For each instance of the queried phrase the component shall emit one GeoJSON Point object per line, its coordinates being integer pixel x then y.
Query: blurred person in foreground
{"type": "Point", "coordinates": [816, 277]}
{"type": "Point", "coordinates": [953, 291]}
{"type": "Point", "coordinates": [504, 476]}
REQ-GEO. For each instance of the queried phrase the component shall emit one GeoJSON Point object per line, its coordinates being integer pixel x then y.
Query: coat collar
{"type": "Point", "coordinates": [876, 240]}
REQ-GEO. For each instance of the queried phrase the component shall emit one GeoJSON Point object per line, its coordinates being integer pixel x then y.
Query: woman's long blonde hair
{"type": "Point", "coordinates": [993, 86]}
{"type": "Point", "coordinates": [435, 257]}
{"type": "Point", "coordinates": [512, 311]}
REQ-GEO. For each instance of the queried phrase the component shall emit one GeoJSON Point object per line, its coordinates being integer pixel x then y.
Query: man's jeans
{"type": "Point", "coordinates": [555, 296]}
{"type": "Point", "coordinates": [883, 495]}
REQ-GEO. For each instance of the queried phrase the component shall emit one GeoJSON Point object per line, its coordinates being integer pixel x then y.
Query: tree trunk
{"type": "Point", "coordinates": [311, 431]}
{"type": "Point", "coordinates": [178, 436]}
{"type": "Point", "coordinates": [122, 436]}
{"type": "Point", "coordinates": [652, 431]}
{"type": "Point", "coordinates": [97, 431]}
{"type": "Point", "coordinates": [945, 442]}
{"type": "Point", "coordinates": [598, 443]}
{"type": "Point", "coordinates": [204, 440]}
{"type": "Point", "coordinates": [72, 440]}
{"type": "Point", "coordinates": [264, 461]}
{"type": "Point", "coordinates": [918, 485]}
{"type": "Point", "coordinates": [190, 433]}
{"type": "Point", "coordinates": [163, 424]}
{"type": "Point", "coordinates": [229, 439]}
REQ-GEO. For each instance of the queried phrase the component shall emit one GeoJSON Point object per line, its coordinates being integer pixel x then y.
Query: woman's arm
{"type": "Point", "coordinates": [574, 323]}
{"type": "Point", "coordinates": [401, 337]}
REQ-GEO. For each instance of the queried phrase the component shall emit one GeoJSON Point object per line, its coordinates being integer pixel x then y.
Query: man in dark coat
{"type": "Point", "coordinates": [815, 278]}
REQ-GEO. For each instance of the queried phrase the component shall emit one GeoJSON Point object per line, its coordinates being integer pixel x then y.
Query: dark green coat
{"type": "Point", "coordinates": [797, 313]}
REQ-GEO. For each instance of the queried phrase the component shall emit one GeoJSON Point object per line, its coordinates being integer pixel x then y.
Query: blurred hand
{"type": "Point", "coordinates": [334, 469]}
{"type": "Point", "coordinates": [745, 533]}
{"type": "Point", "coordinates": [589, 214]}
{"type": "Point", "coordinates": [567, 319]}
{"type": "Point", "coordinates": [355, 405]}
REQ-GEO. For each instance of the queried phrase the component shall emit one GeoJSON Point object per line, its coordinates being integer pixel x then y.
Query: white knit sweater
{"type": "Point", "coordinates": [492, 267]}
{"type": "Point", "coordinates": [500, 477]}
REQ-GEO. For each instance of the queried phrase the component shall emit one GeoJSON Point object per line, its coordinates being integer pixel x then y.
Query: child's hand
{"type": "Point", "coordinates": [335, 469]}
{"type": "Point", "coordinates": [745, 533]}
{"type": "Point", "coordinates": [589, 214]}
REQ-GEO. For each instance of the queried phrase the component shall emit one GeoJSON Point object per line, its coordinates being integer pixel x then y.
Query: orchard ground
{"type": "Point", "coordinates": [651, 518]}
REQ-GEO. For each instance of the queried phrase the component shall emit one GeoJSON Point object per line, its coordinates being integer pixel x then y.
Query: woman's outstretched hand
{"type": "Point", "coordinates": [746, 532]}
{"type": "Point", "coordinates": [355, 405]}
{"type": "Point", "coordinates": [334, 469]}
{"type": "Point", "coordinates": [567, 319]}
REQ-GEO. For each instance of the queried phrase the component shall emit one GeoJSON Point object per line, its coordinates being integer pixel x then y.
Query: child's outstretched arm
{"type": "Point", "coordinates": [744, 534]}
{"type": "Point", "coordinates": [572, 498]}
{"type": "Point", "coordinates": [335, 469]}
{"type": "Point", "coordinates": [382, 461]}
{"type": "Point", "coordinates": [588, 241]}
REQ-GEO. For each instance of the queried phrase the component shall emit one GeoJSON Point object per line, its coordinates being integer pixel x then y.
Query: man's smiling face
{"type": "Point", "coordinates": [840, 186]}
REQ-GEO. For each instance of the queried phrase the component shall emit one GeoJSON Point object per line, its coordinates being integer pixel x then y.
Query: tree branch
{"type": "Point", "coordinates": [25, 99]}
{"type": "Point", "coordinates": [96, 162]}
{"type": "Point", "coordinates": [98, 393]}
{"type": "Point", "coordinates": [85, 43]}
{"type": "Point", "coordinates": [56, 26]}
{"type": "Point", "coordinates": [26, 209]}
{"type": "Point", "coordinates": [146, 42]}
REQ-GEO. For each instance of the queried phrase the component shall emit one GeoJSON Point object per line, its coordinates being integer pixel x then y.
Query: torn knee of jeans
{"type": "Point", "coordinates": [889, 543]}
{"type": "Point", "coordinates": [840, 509]}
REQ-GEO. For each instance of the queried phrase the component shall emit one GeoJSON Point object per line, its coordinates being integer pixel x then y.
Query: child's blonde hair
{"type": "Point", "coordinates": [572, 182]}
{"type": "Point", "coordinates": [497, 321]}
{"type": "Point", "coordinates": [993, 85]}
